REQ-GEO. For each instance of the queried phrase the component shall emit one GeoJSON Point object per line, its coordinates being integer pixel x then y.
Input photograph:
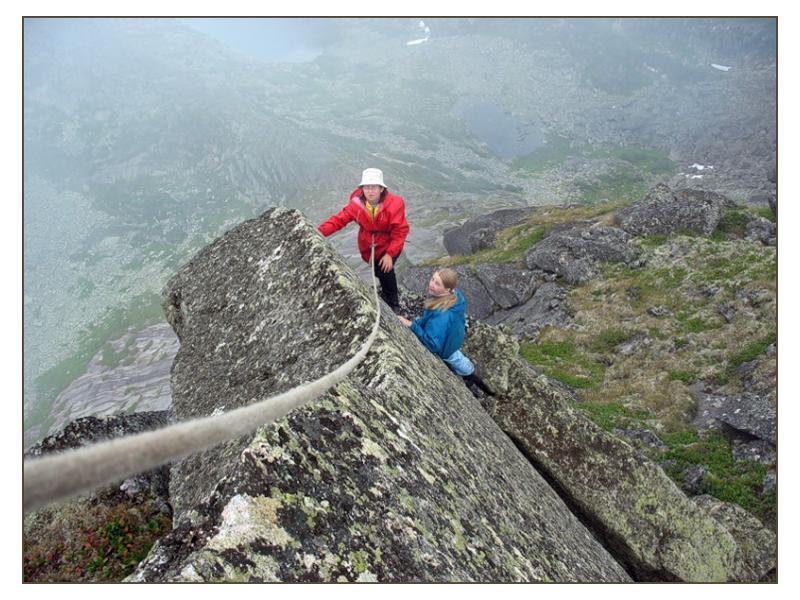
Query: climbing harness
{"type": "Point", "coordinates": [60, 476]}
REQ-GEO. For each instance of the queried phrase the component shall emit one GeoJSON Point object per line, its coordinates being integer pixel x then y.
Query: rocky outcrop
{"type": "Point", "coordinates": [397, 474]}
{"type": "Point", "coordinates": [548, 306]}
{"type": "Point", "coordinates": [762, 230]}
{"type": "Point", "coordinates": [646, 521]}
{"type": "Point", "coordinates": [666, 211]}
{"type": "Point", "coordinates": [748, 413]}
{"type": "Point", "coordinates": [574, 251]}
{"type": "Point", "coordinates": [478, 233]}
{"type": "Point", "coordinates": [758, 546]}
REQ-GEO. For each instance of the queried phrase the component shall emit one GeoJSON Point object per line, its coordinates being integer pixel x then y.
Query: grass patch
{"type": "Point", "coordinates": [614, 415]}
{"type": "Point", "coordinates": [733, 222]}
{"type": "Point", "coordinates": [653, 241]}
{"type": "Point", "coordinates": [686, 377]}
{"type": "Point", "coordinates": [750, 352]}
{"type": "Point", "coordinates": [562, 361]}
{"type": "Point", "coordinates": [609, 339]}
{"type": "Point", "coordinates": [767, 213]}
{"type": "Point", "coordinates": [93, 543]}
{"type": "Point", "coordinates": [740, 483]}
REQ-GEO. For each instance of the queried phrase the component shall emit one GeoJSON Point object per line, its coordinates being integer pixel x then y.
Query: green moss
{"type": "Point", "coordinates": [359, 561]}
{"type": "Point", "coordinates": [728, 480]}
{"type": "Point", "coordinates": [698, 325]}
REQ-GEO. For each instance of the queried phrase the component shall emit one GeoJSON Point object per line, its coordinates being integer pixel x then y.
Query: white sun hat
{"type": "Point", "coordinates": [372, 177]}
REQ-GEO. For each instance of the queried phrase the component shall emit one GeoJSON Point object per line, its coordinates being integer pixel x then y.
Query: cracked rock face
{"type": "Point", "coordinates": [573, 252]}
{"type": "Point", "coordinates": [646, 521]}
{"type": "Point", "coordinates": [397, 474]}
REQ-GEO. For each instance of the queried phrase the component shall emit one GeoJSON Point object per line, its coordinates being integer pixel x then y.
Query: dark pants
{"type": "Point", "coordinates": [388, 285]}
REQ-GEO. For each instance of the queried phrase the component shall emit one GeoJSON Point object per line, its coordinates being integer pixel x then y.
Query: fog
{"type": "Point", "coordinates": [144, 139]}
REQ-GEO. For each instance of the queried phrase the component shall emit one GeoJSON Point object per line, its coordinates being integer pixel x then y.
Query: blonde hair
{"type": "Point", "coordinates": [449, 281]}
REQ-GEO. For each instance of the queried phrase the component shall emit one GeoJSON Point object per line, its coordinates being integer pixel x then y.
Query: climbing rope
{"type": "Point", "coordinates": [57, 477]}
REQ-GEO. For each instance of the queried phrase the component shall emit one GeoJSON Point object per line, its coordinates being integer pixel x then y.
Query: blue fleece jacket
{"type": "Point", "coordinates": [442, 331]}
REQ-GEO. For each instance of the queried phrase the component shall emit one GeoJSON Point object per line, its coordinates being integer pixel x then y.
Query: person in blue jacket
{"type": "Point", "coordinates": [441, 328]}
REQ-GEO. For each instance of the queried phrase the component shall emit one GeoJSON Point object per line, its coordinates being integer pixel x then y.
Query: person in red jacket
{"type": "Point", "coordinates": [381, 214]}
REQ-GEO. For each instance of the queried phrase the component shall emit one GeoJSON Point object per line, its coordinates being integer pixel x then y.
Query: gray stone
{"type": "Point", "coordinates": [727, 310]}
{"type": "Point", "coordinates": [761, 230]}
{"type": "Point", "coordinates": [666, 211]}
{"type": "Point", "coordinates": [754, 298]}
{"type": "Point", "coordinates": [659, 311]}
{"type": "Point", "coordinates": [396, 474]}
{"type": "Point", "coordinates": [645, 436]}
{"type": "Point", "coordinates": [634, 344]}
{"type": "Point", "coordinates": [752, 414]}
{"type": "Point", "coordinates": [770, 482]}
{"type": "Point", "coordinates": [758, 546]}
{"type": "Point", "coordinates": [693, 482]}
{"type": "Point", "coordinates": [573, 252]}
{"type": "Point", "coordinates": [758, 451]}
{"type": "Point", "coordinates": [508, 284]}
{"type": "Point", "coordinates": [749, 414]}
{"type": "Point", "coordinates": [647, 522]}
{"type": "Point", "coordinates": [548, 306]}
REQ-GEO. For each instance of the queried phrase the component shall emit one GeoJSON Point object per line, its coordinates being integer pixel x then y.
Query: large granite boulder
{"type": "Point", "coordinates": [751, 414]}
{"type": "Point", "coordinates": [396, 474]}
{"type": "Point", "coordinates": [509, 284]}
{"type": "Point", "coordinates": [643, 518]}
{"type": "Point", "coordinates": [479, 233]}
{"type": "Point", "coordinates": [574, 251]}
{"type": "Point", "coordinates": [548, 306]}
{"type": "Point", "coordinates": [666, 211]}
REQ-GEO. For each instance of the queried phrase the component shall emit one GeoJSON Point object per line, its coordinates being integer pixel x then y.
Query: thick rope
{"type": "Point", "coordinates": [57, 477]}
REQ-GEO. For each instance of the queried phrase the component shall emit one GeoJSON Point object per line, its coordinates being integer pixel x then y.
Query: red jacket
{"type": "Point", "coordinates": [390, 226]}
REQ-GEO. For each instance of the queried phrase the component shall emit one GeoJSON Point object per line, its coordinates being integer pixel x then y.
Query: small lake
{"type": "Point", "coordinates": [502, 132]}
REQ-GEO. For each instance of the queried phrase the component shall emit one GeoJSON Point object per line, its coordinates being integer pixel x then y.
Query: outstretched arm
{"type": "Point", "coordinates": [336, 222]}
